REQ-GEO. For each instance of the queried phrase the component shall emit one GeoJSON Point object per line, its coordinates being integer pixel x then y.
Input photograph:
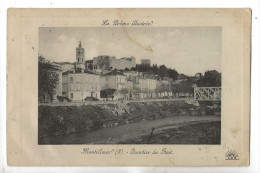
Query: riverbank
{"type": "Point", "coordinates": [56, 121]}
{"type": "Point", "coordinates": [196, 132]}
{"type": "Point", "coordinates": [179, 130]}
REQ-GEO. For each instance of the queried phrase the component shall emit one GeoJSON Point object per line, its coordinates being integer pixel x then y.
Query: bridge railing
{"type": "Point", "coordinates": [207, 93]}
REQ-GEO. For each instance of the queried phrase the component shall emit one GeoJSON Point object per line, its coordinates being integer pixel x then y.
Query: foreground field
{"type": "Point", "coordinates": [187, 133]}
{"type": "Point", "coordinates": [170, 130]}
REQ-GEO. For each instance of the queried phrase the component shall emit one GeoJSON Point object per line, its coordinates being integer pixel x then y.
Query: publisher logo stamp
{"type": "Point", "coordinates": [232, 155]}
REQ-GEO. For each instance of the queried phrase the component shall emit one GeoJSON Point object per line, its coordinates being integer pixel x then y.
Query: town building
{"type": "Point", "coordinates": [89, 64]}
{"type": "Point", "coordinates": [79, 83]}
{"type": "Point", "coordinates": [115, 80]}
{"type": "Point", "coordinates": [184, 92]}
{"type": "Point", "coordinates": [123, 63]}
{"type": "Point", "coordinates": [80, 57]}
{"type": "Point", "coordinates": [148, 85]}
{"type": "Point", "coordinates": [133, 76]}
{"type": "Point", "coordinates": [152, 85]}
{"type": "Point", "coordinates": [164, 87]}
{"type": "Point", "coordinates": [78, 86]}
{"type": "Point", "coordinates": [58, 89]}
{"type": "Point", "coordinates": [146, 62]}
{"type": "Point", "coordinates": [80, 61]}
{"type": "Point", "coordinates": [106, 63]}
{"type": "Point", "coordinates": [141, 87]}
{"type": "Point", "coordinates": [88, 78]}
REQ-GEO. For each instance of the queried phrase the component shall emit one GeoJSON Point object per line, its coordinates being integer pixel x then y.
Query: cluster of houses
{"type": "Point", "coordinates": [89, 79]}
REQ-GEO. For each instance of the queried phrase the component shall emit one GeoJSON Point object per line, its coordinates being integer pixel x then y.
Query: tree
{"type": "Point", "coordinates": [185, 86]}
{"type": "Point", "coordinates": [107, 93]}
{"type": "Point", "coordinates": [104, 63]}
{"type": "Point", "coordinates": [136, 90]}
{"type": "Point", "coordinates": [163, 87]}
{"type": "Point", "coordinates": [172, 74]}
{"type": "Point", "coordinates": [90, 66]}
{"type": "Point", "coordinates": [133, 68]}
{"type": "Point", "coordinates": [162, 71]}
{"type": "Point", "coordinates": [124, 91]}
{"type": "Point", "coordinates": [210, 79]}
{"type": "Point", "coordinates": [47, 78]}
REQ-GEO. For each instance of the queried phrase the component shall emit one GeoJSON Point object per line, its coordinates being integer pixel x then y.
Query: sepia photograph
{"type": "Point", "coordinates": [129, 85]}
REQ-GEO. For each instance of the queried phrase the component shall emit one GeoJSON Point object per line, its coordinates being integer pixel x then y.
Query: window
{"type": "Point", "coordinates": [71, 79]}
{"type": "Point", "coordinates": [71, 95]}
{"type": "Point", "coordinates": [76, 79]}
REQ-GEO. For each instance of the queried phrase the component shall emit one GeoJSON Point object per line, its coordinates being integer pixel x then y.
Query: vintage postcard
{"type": "Point", "coordinates": [128, 87]}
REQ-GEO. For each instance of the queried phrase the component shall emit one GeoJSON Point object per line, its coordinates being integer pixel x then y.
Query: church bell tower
{"type": "Point", "coordinates": [80, 57]}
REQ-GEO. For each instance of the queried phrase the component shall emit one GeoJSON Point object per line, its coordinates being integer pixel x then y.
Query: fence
{"type": "Point", "coordinates": [85, 103]}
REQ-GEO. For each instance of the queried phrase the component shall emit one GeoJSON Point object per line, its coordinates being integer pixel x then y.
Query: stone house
{"type": "Point", "coordinates": [115, 80]}
{"type": "Point", "coordinates": [78, 86]}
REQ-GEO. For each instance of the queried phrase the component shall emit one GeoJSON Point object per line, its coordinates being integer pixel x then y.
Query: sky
{"type": "Point", "coordinates": [188, 50]}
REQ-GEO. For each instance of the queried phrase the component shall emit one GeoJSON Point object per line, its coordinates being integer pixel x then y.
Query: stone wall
{"type": "Point", "coordinates": [106, 62]}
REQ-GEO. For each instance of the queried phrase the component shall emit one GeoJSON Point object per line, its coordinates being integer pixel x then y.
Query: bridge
{"type": "Point", "coordinates": [207, 93]}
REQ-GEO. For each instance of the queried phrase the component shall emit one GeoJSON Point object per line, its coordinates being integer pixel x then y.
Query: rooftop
{"type": "Point", "coordinates": [78, 71]}
{"type": "Point", "coordinates": [63, 63]}
{"type": "Point", "coordinates": [114, 73]}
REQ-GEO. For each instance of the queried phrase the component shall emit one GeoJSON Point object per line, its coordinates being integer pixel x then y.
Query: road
{"type": "Point", "coordinates": [101, 102]}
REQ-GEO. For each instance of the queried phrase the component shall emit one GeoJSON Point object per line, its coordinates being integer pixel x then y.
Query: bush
{"type": "Point", "coordinates": [91, 99]}
{"type": "Point", "coordinates": [62, 99]}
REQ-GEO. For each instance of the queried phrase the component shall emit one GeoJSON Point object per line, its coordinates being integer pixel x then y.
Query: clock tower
{"type": "Point", "coordinates": [80, 57]}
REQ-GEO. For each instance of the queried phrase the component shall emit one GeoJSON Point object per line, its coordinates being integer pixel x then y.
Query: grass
{"type": "Point", "coordinates": [190, 133]}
